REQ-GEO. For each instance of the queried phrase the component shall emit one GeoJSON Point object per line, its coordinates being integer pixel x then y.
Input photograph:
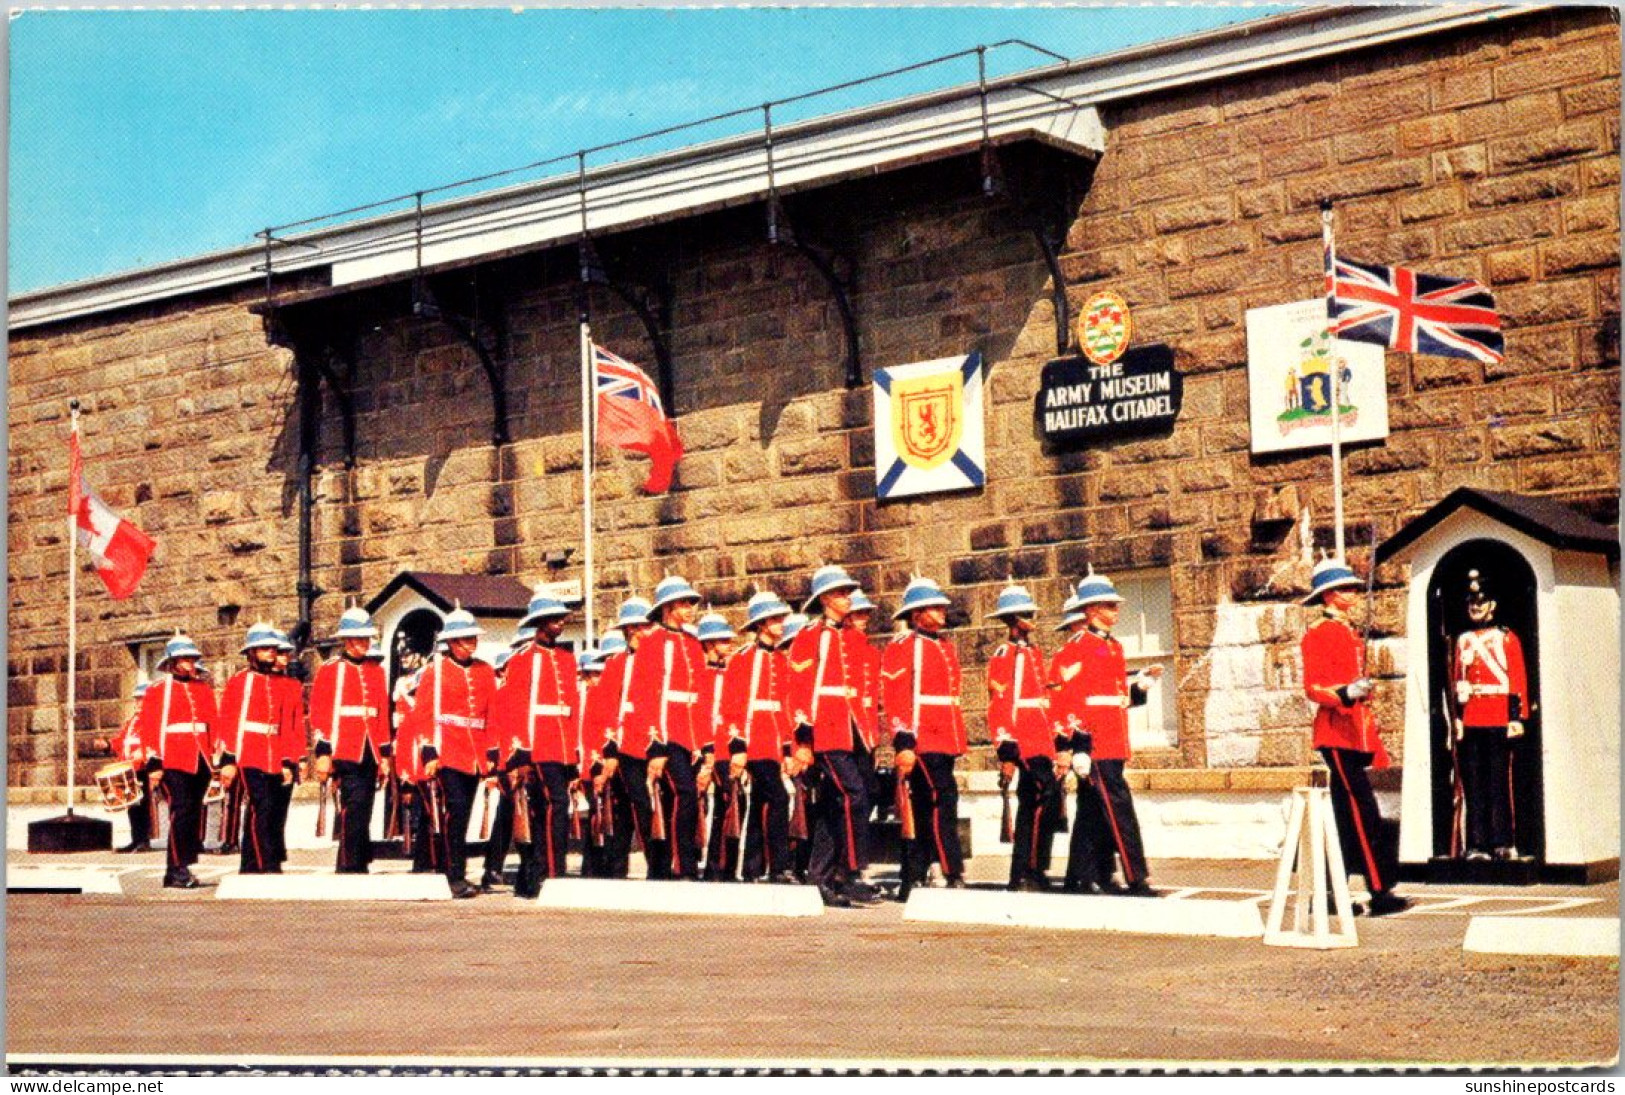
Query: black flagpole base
{"type": "Point", "coordinates": [70, 833]}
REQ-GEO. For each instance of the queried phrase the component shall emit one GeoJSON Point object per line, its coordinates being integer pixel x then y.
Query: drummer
{"type": "Point", "coordinates": [127, 746]}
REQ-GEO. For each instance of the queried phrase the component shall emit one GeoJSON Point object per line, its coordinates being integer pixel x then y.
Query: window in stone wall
{"type": "Point", "coordinates": [1146, 630]}
{"type": "Point", "coordinates": [148, 653]}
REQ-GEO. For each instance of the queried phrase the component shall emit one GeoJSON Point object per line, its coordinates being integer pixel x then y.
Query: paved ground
{"type": "Point", "coordinates": [155, 974]}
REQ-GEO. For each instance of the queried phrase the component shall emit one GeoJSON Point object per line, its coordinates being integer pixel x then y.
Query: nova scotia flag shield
{"type": "Point", "coordinates": [929, 435]}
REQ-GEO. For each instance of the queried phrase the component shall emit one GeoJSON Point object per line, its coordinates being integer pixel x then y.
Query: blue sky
{"type": "Point", "coordinates": [139, 137]}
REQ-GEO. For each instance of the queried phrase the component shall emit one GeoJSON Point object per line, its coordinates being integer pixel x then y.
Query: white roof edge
{"type": "Point", "coordinates": [901, 130]}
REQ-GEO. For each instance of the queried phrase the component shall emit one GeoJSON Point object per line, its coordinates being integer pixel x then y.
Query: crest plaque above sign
{"type": "Point", "coordinates": [1105, 328]}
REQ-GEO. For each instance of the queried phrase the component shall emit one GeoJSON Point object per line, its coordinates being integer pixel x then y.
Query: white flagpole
{"type": "Point", "coordinates": [73, 618]}
{"type": "Point", "coordinates": [1337, 395]}
{"type": "Point", "coordinates": [588, 408]}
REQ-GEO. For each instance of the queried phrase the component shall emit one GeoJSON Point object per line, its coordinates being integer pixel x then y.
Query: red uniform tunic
{"type": "Point", "coordinates": [535, 709]}
{"type": "Point", "coordinates": [1490, 681]}
{"type": "Point", "coordinates": [587, 745]}
{"type": "Point", "coordinates": [178, 723]}
{"type": "Point", "coordinates": [828, 683]}
{"type": "Point", "coordinates": [257, 721]}
{"type": "Point", "coordinates": [407, 764]}
{"type": "Point", "coordinates": [708, 711]}
{"type": "Point", "coordinates": [605, 703]}
{"type": "Point", "coordinates": [753, 709]}
{"type": "Point", "coordinates": [664, 692]}
{"type": "Point", "coordinates": [871, 688]}
{"type": "Point", "coordinates": [1017, 708]}
{"type": "Point", "coordinates": [920, 685]}
{"type": "Point", "coordinates": [1090, 693]}
{"type": "Point", "coordinates": [1333, 656]}
{"type": "Point", "coordinates": [349, 709]}
{"type": "Point", "coordinates": [451, 711]}
{"type": "Point", "coordinates": [127, 742]}
{"type": "Point", "coordinates": [293, 743]}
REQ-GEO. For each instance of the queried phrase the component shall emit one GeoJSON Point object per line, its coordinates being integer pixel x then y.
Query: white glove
{"type": "Point", "coordinates": [1464, 692]}
{"type": "Point", "coordinates": [1514, 730]}
{"type": "Point", "coordinates": [1359, 690]}
{"type": "Point", "coordinates": [1081, 763]}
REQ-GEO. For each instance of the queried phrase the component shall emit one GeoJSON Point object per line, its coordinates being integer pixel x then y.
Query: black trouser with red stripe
{"type": "Point", "coordinates": [1486, 776]}
{"type": "Point", "coordinates": [1038, 806]}
{"type": "Point", "coordinates": [259, 840]}
{"type": "Point", "coordinates": [284, 800]}
{"type": "Point", "coordinates": [935, 797]}
{"type": "Point", "coordinates": [721, 849]}
{"type": "Point", "coordinates": [1122, 827]}
{"type": "Point", "coordinates": [425, 841]}
{"type": "Point", "coordinates": [185, 792]}
{"type": "Point", "coordinates": [840, 839]}
{"type": "Point", "coordinates": [631, 786]}
{"type": "Point", "coordinates": [456, 792]}
{"type": "Point", "coordinates": [765, 820]}
{"type": "Point", "coordinates": [544, 856]}
{"type": "Point", "coordinates": [358, 786]}
{"type": "Point", "coordinates": [501, 838]}
{"type": "Point", "coordinates": [682, 802]}
{"type": "Point", "coordinates": [1359, 822]}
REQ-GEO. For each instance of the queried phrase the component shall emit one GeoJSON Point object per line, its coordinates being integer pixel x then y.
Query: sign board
{"type": "Point", "coordinates": [1289, 361]}
{"type": "Point", "coordinates": [929, 433]}
{"type": "Point", "coordinates": [1139, 392]}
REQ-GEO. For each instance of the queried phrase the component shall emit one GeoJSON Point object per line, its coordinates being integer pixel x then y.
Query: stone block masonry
{"type": "Point", "coordinates": [1490, 152]}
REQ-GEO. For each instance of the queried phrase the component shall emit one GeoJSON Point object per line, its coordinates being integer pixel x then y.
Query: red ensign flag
{"type": "Point", "coordinates": [630, 417]}
{"type": "Point", "coordinates": [119, 549]}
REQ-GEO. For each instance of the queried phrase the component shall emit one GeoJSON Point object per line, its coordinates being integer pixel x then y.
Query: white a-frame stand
{"type": "Point", "coordinates": [1312, 848]}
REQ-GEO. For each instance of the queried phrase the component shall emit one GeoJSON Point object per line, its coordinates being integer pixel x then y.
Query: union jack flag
{"type": "Point", "coordinates": [614, 376]}
{"type": "Point", "coordinates": [1413, 312]}
{"type": "Point", "coordinates": [631, 416]}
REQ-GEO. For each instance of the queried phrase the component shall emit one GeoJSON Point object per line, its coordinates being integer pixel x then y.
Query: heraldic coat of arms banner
{"type": "Point", "coordinates": [929, 434]}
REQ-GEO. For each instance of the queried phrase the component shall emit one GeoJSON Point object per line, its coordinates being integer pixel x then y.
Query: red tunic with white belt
{"type": "Point", "coordinates": [1090, 694]}
{"type": "Point", "coordinates": [535, 709]}
{"type": "Point", "coordinates": [754, 720]}
{"type": "Point", "coordinates": [601, 719]}
{"type": "Point", "coordinates": [920, 684]}
{"type": "Point", "coordinates": [1333, 657]}
{"type": "Point", "coordinates": [1488, 675]}
{"type": "Point", "coordinates": [708, 711]}
{"type": "Point", "coordinates": [828, 684]}
{"type": "Point", "coordinates": [257, 721]}
{"type": "Point", "coordinates": [178, 723]}
{"type": "Point", "coordinates": [663, 693]}
{"type": "Point", "coordinates": [127, 742]}
{"type": "Point", "coordinates": [451, 711]}
{"type": "Point", "coordinates": [350, 710]}
{"type": "Point", "coordinates": [1018, 707]}
{"type": "Point", "coordinates": [293, 741]}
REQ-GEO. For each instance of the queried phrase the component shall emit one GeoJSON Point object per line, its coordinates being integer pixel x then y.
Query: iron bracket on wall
{"type": "Point", "coordinates": [836, 267]}
{"type": "Point", "coordinates": [649, 293]}
{"type": "Point", "coordinates": [480, 320]}
{"type": "Point", "coordinates": [1045, 206]}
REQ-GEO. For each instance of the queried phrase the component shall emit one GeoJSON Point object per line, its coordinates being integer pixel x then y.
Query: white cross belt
{"type": "Point", "coordinates": [1490, 690]}
{"type": "Point", "coordinates": [266, 728]}
{"type": "Point", "coordinates": [1105, 701]}
{"type": "Point", "coordinates": [832, 690]}
{"type": "Point", "coordinates": [184, 728]}
{"type": "Point", "coordinates": [359, 712]}
{"type": "Point", "coordinates": [763, 705]}
{"type": "Point", "coordinates": [558, 710]}
{"type": "Point", "coordinates": [682, 697]}
{"type": "Point", "coordinates": [462, 720]}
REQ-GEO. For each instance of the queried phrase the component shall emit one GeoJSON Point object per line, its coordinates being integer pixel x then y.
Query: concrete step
{"type": "Point", "coordinates": [1076, 912]}
{"type": "Point", "coordinates": [679, 898]}
{"type": "Point", "coordinates": [1562, 936]}
{"type": "Point", "coordinates": [333, 887]}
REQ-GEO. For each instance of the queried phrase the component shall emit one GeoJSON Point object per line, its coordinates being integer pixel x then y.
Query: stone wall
{"type": "Point", "coordinates": [1491, 153]}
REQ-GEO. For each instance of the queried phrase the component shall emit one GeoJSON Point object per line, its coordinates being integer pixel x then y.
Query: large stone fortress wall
{"type": "Point", "coordinates": [1492, 153]}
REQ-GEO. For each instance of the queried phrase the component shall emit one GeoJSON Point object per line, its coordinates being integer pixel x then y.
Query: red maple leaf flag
{"type": "Point", "coordinates": [630, 416]}
{"type": "Point", "coordinates": [119, 549]}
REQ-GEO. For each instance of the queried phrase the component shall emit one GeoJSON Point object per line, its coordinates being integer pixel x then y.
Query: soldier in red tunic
{"type": "Point", "coordinates": [1345, 732]}
{"type": "Point", "coordinates": [255, 721]}
{"type": "Point", "coordinates": [1093, 695]}
{"type": "Point", "coordinates": [178, 716]}
{"type": "Point", "coordinates": [663, 694]}
{"type": "Point", "coordinates": [863, 610]}
{"type": "Point", "coordinates": [289, 677]}
{"type": "Point", "coordinates": [618, 816]}
{"type": "Point", "coordinates": [126, 745]}
{"type": "Point", "coordinates": [350, 719]}
{"type": "Point", "coordinates": [920, 678]}
{"type": "Point", "coordinates": [715, 778]}
{"type": "Point", "coordinates": [453, 742]}
{"type": "Point", "coordinates": [829, 706]}
{"type": "Point", "coordinates": [1018, 718]}
{"type": "Point", "coordinates": [757, 728]}
{"type": "Point", "coordinates": [1491, 687]}
{"type": "Point", "coordinates": [533, 720]}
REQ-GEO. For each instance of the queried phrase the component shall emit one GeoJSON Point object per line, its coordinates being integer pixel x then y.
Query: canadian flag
{"type": "Point", "coordinates": [120, 550]}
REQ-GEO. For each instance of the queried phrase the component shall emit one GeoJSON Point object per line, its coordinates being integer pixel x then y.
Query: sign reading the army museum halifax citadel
{"type": "Point", "coordinates": [1139, 392]}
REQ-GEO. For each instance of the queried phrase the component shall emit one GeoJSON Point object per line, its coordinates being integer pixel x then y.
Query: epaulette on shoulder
{"type": "Point", "coordinates": [1000, 650]}
{"type": "Point", "coordinates": [902, 635]}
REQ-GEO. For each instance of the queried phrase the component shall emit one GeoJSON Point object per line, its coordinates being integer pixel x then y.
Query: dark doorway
{"type": "Point", "coordinates": [1511, 582]}
{"type": "Point", "coordinates": [412, 644]}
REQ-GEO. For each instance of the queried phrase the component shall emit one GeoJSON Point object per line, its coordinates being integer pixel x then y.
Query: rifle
{"type": "Point", "coordinates": [321, 808]}
{"type": "Point", "coordinates": [905, 808]}
{"type": "Point", "coordinates": [657, 812]}
{"type": "Point", "coordinates": [521, 807]}
{"type": "Point", "coordinates": [485, 814]}
{"type": "Point", "coordinates": [707, 817]}
{"type": "Point", "coordinates": [578, 806]}
{"type": "Point", "coordinates": [1457, 797]}
{"type": "Point", "coordinates": [392, 808]}
{"type": "Point", "coordinates": [741, 822]}
{"type": "Point", "coordinates": [1007, 828]}
{"type": "Point", "coordinates": [798, 809]}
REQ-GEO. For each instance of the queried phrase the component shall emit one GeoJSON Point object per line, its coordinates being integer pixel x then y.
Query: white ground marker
{"type": "Point", "coordinates": [333, 887]}
{"type": "Point", "coordinates": [682, 898]}
{"type": "Point", "coordinates": [1562, 936]}
{"type": "Point", "coordinates": [1073, 912]}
